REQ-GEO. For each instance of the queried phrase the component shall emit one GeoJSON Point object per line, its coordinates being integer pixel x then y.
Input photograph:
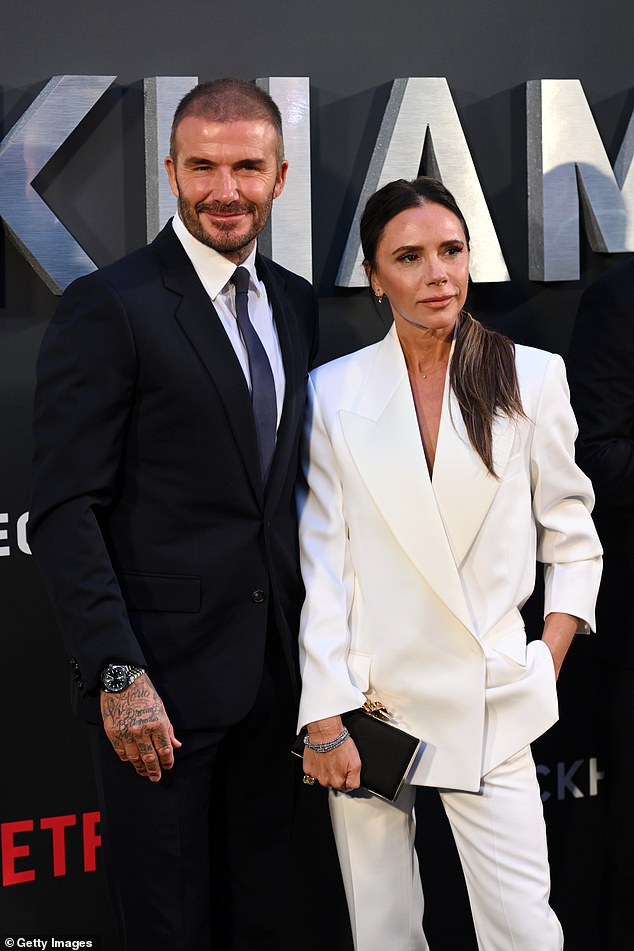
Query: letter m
{"type": "Point", "coordinates": [568, 167]}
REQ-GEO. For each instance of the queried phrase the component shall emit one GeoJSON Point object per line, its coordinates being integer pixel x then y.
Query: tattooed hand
{"type": "Point", "coordinates": [138, 727]}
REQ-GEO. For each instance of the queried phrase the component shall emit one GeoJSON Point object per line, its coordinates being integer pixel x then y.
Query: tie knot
{"type": "Point", "coordinates": [240, 280]}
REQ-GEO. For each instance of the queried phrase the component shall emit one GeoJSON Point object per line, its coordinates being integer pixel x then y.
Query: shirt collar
{"type": "Point", "coordinates": [210, 264]}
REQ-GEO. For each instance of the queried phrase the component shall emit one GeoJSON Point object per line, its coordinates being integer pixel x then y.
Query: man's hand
{"type": "Point", "coordinates": [139, 729]}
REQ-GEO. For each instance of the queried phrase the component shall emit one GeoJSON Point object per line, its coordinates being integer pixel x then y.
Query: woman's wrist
{"type": "Point", "coordinates": [326, 746]}
{"type": "Point", "coordinates": [322, 731]}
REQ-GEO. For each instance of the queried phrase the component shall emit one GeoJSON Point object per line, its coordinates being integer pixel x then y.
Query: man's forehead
{"type": "Point", "coordinates": [237, 133]}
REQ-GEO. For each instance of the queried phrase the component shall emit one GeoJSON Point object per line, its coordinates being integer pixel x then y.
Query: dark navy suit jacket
{"type": "Point", "coordinates": [601, 373]}
{"type": "Point", "coordinates": [157, 542]}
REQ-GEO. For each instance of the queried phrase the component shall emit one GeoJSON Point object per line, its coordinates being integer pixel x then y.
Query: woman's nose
{"type": "Point", "coordinates": [435, 272]}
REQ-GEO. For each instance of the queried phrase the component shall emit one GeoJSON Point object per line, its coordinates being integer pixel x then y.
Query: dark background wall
{"type": "Point", "coordinates": [351, 52]}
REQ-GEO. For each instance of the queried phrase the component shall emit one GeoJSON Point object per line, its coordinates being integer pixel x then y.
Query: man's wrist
{"type": "Point", "coordinates": [118, 677]}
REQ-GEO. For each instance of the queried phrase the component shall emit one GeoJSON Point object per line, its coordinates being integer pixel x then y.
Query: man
{"type": "Point", "coordinates": [601, 372]}
{"type": "Point", "coordinates": [166, 443]}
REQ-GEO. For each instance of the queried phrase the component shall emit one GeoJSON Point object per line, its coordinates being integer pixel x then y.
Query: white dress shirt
{"type": "Point", "coordinates": [215, 272]}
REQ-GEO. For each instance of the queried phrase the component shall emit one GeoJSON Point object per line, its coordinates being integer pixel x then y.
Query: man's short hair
{"type": "Point", "coordinates": [229, 100]}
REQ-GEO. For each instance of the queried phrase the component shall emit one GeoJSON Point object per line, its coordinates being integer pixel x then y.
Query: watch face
{"type": "Point", "coordinates": [115, 677]}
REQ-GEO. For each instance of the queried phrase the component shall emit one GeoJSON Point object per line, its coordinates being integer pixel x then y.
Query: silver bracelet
{"type": "Point", "coordinates": [329, 744]}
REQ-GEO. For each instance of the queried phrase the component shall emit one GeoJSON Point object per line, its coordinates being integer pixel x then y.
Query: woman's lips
{"type": "Point", "coordinates": [437, 301]}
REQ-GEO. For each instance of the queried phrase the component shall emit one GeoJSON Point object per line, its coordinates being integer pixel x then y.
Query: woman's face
{"type": "Point", "coordinates": [422, 265]}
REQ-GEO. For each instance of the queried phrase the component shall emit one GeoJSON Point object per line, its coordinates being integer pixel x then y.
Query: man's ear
{"type": "Point", "coordinates": [280, 179]}
{"type": "Point", "coordinates": [171, 174]}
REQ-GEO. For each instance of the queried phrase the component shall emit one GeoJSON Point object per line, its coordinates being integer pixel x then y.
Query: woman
{"type": "Point", "coordinates": [440, 466]}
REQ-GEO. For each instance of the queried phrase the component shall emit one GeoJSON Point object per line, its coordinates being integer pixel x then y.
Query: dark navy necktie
{"type": "Point", "coordinates": [262, 382]}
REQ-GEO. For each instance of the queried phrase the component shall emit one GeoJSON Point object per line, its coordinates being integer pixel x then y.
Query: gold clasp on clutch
{"type": "Point", "coordinates": [376, 709]}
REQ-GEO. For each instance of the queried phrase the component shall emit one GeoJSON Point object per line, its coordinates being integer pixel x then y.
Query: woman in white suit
{"type": "Point", "coordinates": [439, 467]}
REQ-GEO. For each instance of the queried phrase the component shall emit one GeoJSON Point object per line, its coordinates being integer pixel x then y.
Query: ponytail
{"type": "Point", "coordinates": [483, 378]}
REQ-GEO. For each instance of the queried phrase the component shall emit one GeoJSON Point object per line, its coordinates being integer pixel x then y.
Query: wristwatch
{"type": "Point", "coordinates": [116, 677]}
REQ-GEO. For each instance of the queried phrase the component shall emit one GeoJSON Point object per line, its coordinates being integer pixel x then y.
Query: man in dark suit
{"type": "Point", "coordinates": [168, 413]}
{"type": "Point", "coordinates": [601, 373]}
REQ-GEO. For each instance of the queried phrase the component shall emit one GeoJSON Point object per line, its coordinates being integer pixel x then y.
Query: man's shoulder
{"type": "Point", "coordinates": [606, 307]}
{"type": "Point", "coordinates": [140, 267]}
{"type": "Point", "coordinates": [619, 278]}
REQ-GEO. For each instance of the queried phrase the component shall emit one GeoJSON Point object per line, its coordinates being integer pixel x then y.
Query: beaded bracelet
{"type": "Point", "coordinates": [329, 744]}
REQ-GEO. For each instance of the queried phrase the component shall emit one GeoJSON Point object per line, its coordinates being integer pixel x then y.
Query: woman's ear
{"type": "Point", "coordinates": [369, 273]}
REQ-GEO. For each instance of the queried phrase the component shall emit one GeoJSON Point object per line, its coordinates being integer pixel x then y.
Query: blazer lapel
{"type": "Point", "coordinates": [384, 439]}
{"type": "Point", "coordinates": [199, 321]}
{"type": "Point", "coordinates": [463, 487]}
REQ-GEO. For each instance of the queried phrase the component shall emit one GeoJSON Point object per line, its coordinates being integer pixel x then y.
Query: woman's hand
{"type": "Point", "coordinates": [340, 768]}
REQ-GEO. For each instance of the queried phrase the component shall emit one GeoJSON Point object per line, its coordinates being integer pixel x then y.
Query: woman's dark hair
{"type": "Point", "coordinates": [399, 196]}
{"type": "Point", "coordinates": [482, 374]}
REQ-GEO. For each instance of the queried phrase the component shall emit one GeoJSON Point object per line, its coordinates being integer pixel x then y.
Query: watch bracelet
{"type": "Point", "coordinates": [133, 673]}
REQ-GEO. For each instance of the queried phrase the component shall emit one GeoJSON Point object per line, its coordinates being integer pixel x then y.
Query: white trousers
{"type": "Point", "coordinates": [501, 840]}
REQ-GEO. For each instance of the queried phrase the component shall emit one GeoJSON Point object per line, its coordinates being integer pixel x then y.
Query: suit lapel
{"type": "Point", "coordinates": [199, 321]}
{"type": "Point", "coordinates": [383, 437]}
{"type": "Point", "coordinates": [463, 487]}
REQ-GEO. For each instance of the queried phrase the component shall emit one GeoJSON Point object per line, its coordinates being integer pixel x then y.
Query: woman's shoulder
{"type": "Point", "coordinates": [534, 366]}
{"type": "Point", "coordinates": [349, 365]}
{"type": "Point", "coordinates": [532, 358]}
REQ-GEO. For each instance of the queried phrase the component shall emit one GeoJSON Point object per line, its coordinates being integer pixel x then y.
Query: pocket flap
{"type": "Point", "coordinates": [154, 592]}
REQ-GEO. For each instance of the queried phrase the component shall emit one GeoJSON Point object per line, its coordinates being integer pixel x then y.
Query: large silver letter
{"type": "Point", "coordinates": [418, 108]}
{"type": "Point", "coordinates": [288, 236]}
{"type": "Point", "coordinates": [161, 96]}
{"type": "Point", "coordinates": [568, 166]}
{"type": "Point", "coordinates": [624, 170]}
{"type": "Point", "coordinates": [41, 237]}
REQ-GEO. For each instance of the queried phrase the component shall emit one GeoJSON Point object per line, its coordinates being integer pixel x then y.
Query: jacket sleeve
{"type": "Point", "coordinates": [85, 384]}
{"type": "Point", "coordinates": [327, 572]}
{"type": "Point", "coordinates": [567, 541]}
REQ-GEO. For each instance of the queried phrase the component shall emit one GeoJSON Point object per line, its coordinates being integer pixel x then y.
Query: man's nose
{"type": "Point", "coordinates": [224, 187]}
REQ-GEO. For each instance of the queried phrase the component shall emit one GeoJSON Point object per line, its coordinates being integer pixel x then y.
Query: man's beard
{"type": "Point", "coordinates": [228, 243]}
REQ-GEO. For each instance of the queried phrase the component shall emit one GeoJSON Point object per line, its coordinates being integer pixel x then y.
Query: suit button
{"type": "Point", "coordinates": [257, 597]}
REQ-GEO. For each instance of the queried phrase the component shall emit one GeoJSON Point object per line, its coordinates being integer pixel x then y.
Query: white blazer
{"type": "Point", "coordinates": [414, 585]}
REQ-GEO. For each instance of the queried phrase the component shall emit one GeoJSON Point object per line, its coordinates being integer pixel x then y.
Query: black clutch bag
{"type": "Point", "coordinates": [387, 752]}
